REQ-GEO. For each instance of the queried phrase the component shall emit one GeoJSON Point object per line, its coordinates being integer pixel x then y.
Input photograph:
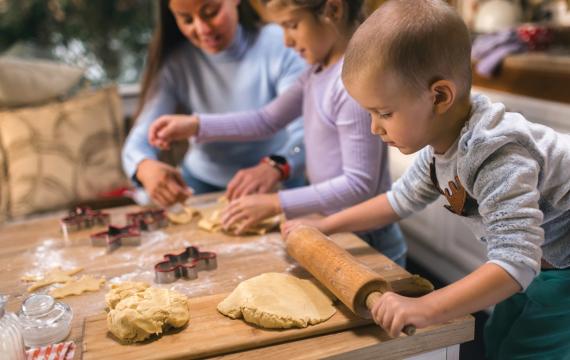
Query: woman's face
{"type": "Point", "coordinates": [208, 24]}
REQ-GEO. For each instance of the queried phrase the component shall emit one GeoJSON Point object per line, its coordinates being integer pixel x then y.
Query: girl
{"type": "Point", "coordinates": [346, 164]}
{"type": "Point", "coordinates": [212, 56]}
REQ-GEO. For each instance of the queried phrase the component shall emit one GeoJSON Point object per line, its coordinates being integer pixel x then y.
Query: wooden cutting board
{"type": "Point", "coordinates": [209, 333]}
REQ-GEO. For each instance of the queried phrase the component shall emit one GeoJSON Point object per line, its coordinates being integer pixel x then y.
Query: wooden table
{"type": "Point", "coordinates": [37, 245]}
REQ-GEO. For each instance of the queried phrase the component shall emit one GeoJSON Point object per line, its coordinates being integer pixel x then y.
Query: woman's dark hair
{"type": "Point", "coordinates": [168, 37]}
{"type": "Point", "coordinates": [355, 13]}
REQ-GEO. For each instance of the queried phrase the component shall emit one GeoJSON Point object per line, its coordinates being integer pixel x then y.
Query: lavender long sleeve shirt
{"type": "Point", "coordinates": [346, 164]}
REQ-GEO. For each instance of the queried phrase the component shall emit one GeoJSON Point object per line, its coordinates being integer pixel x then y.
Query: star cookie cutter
{"type": "Point", "coordinates": [83, 217]}
{"type": "Point", "coordinates": [116, 236]}
{"type": "Point", "coordinates": [186, 265]}
{"type": "Point", "coordinates": [148, 220]}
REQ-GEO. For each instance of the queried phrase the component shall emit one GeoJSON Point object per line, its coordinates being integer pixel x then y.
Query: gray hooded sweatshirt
{"type": "Point", "coordinates": [519, 174]}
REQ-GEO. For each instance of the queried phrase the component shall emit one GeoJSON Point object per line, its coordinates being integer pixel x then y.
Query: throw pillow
{"type": "Point", "coordinates": [64, 152]}
{"type": "Point", "coordinates": [29, 82]}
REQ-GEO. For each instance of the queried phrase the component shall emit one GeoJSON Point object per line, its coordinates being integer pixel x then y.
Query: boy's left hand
{"type": "Point", "coordinates": [250, 210]}
{"type": "Point", "coordinates": [392, 312]}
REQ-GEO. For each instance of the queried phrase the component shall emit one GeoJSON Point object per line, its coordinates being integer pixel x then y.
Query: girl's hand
{"type": "Point", "coordinates": [162, 182]}
{"type": "Point", "coordinates": [167, 128]}
{"type": "Point", "coordinates": [290, 225]}
{"type": "Point", "coordinates": [392, 312]}
{"type": "Point", "coordinates": [259, 179]}
{"type": "Point", "coordinates": [250, 210]}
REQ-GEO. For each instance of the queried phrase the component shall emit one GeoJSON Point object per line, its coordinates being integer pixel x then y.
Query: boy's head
{"type": "Point", "coordinates": [410, 60]}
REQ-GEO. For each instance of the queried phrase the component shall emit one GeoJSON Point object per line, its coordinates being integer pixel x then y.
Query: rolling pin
{"type": "Point", "coordinates": [354, 284]}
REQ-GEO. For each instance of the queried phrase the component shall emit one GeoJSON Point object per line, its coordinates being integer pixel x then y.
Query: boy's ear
{"type": "Point", "coordinates": [333, 10]}
{"type": "Point", "coordinates": [443, 95]}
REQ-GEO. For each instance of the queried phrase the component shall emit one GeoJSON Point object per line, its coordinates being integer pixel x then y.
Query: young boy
{"type": "Point", "coordinates": [409, 66]}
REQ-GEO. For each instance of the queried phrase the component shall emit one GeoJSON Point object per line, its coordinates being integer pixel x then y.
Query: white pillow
{"type": "Point", "coordinates": [30, 82]}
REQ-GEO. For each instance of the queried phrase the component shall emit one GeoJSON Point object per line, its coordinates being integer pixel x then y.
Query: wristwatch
{"type": "Point", "coordinates": [280, 163]}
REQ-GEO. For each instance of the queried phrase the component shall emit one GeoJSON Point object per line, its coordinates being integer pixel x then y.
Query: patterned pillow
{"type": "Point", "coordinates": [62, 153]}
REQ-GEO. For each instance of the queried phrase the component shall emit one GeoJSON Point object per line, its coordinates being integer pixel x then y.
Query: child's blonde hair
{"type": "Point", "coordinates": [421, 41]}
{"type": "Point", "coordinates": [355, 13]}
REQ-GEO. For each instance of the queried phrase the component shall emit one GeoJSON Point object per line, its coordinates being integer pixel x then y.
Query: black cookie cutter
{"type": "Point", "coordinates": [186, 264]}
{"type": "Point", "coordinates": [148, 220]}
{"type": "Point", "coordinates": [116, 236]}
{"type": "Point", "coordinates": [83, 217]}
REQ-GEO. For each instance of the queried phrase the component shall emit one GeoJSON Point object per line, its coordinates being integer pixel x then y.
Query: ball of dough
{"type": "Point", "coordinates": [123, 290]}
{"type": "Point", "coordinates": [278, 301]}
{"type": "Point", "coordinates": [144, 313]}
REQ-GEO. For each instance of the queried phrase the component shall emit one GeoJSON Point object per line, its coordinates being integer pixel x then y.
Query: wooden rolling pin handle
{"type": "Point", "coordinates": [375, 296]}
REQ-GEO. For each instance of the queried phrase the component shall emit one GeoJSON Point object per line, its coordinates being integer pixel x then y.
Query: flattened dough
{"type": "Point", "coordinates": [145, 312]}
{"type": "Point", "coordinates": [56, 275]}
{"type": "Point", "coordinates": [78, 286]}
{"type": "Point", "coordinates": [211, 221]}
{"type": "Point", "coordinates": [278, 301]}
{"type": "Point", "coordinates": [183, 217]}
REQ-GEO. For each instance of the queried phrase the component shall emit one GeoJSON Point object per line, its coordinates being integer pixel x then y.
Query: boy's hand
{"type": "Point", "coordinates": [250, 210]}
{"type": "Point", "coordinates": [162, 182]}
{"type": "Point", "coordinates": [392, 312]}
{"type": "Point", "coordinates": [261, 178]}
{"type": "Point", "coordinates": [172, 127]}
{"type": "Point", "coordinates": [316, 222]}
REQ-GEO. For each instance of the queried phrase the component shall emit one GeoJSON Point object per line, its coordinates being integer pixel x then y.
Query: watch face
{"type": "Point", "coordinates": [278, 159]}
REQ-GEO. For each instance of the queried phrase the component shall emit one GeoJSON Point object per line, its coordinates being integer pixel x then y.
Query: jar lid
{"type": "Point", "coordinates": [44, 320]}
{"type": "Point", "coordinates": [37, 305]}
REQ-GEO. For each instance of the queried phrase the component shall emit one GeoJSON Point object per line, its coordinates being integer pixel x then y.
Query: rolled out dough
{"type": "Point", "coordinates": [143, 312]}
{"type": "Point", "coordinates": [278, 301]}
{"type": "Point", "coordinates": [78, 286]}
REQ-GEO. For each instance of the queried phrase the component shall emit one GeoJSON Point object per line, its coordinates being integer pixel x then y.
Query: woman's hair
{"type": "Point", "coordinates": [167, 37]}
{"type": "Point", "coordinates": [355, 13]}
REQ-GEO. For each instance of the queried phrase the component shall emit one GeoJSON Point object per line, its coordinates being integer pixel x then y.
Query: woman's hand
{"type": "Point", "coordinates": [162, 182]}
{"type": "Point", "coordinates": [317, 222]}
{"type": "Point", "coordinates": [168, 128]}
{"type": "Point", "coordinates": [392, 312]}
{"type": "Point", "coordinates": [259, 179]}
{"type": "Point", "coordinates": [250, 210]}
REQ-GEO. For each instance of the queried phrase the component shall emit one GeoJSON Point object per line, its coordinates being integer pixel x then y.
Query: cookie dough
{"type": "Point", "coordinates": [123, 290]}
{"type": "Point", "coordinates": [182, 217]}
{"type": "Point", "coordinates": [144, 312]}
{"type": "Point", "coordinates": [278, 301]}
{"type": "Point", "coordinates": [78, 286]}
{"type": "Point", "coordinates": [56, 275]}
{"type": "Point", "coordinates": [211, 221]}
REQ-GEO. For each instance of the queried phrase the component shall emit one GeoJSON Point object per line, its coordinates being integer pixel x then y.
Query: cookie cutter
{"type": "Point", "coordinates": [116, 236]}
{"type": "Point", "coordinates": [83, 217]}
{"type": "Point", "coordinates": [148, 220]}
{"type": "Point", "coordinates": [186, 264]}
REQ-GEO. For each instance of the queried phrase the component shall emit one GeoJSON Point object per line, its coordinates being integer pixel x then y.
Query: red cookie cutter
{"type": "Point", "coordinates": [148, 220]}
{"type": "Point", "coordinates": [117, 236]}
{"type": "Point", "coordinates": [83, 217]}
{"type": "Point", "coordinates": [186, 264]}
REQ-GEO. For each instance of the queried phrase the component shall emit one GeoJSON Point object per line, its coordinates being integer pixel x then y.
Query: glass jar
{"type": "Point", "coordinates": [11, 341]}
{"type": "Point", "coordinates": [44, 321]}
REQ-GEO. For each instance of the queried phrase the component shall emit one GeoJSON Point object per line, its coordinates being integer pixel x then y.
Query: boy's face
{"type": "Point", "coordinates": [404, 121]}
{"type": "Point", "coordinates": [304, 33]}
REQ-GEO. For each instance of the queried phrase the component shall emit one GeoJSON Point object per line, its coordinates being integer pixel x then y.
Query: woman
{"type": "Point", "coordinates": [211, 56]}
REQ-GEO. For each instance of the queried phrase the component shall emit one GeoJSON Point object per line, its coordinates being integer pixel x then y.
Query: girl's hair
{"type": "Point", "coordinates": [167, 37]}
{"type": "Point", "coordinates": [355, 13]}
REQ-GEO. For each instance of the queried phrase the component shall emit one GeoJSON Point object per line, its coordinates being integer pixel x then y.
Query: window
{"type": "Point", "coordinates": [108, 38]}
